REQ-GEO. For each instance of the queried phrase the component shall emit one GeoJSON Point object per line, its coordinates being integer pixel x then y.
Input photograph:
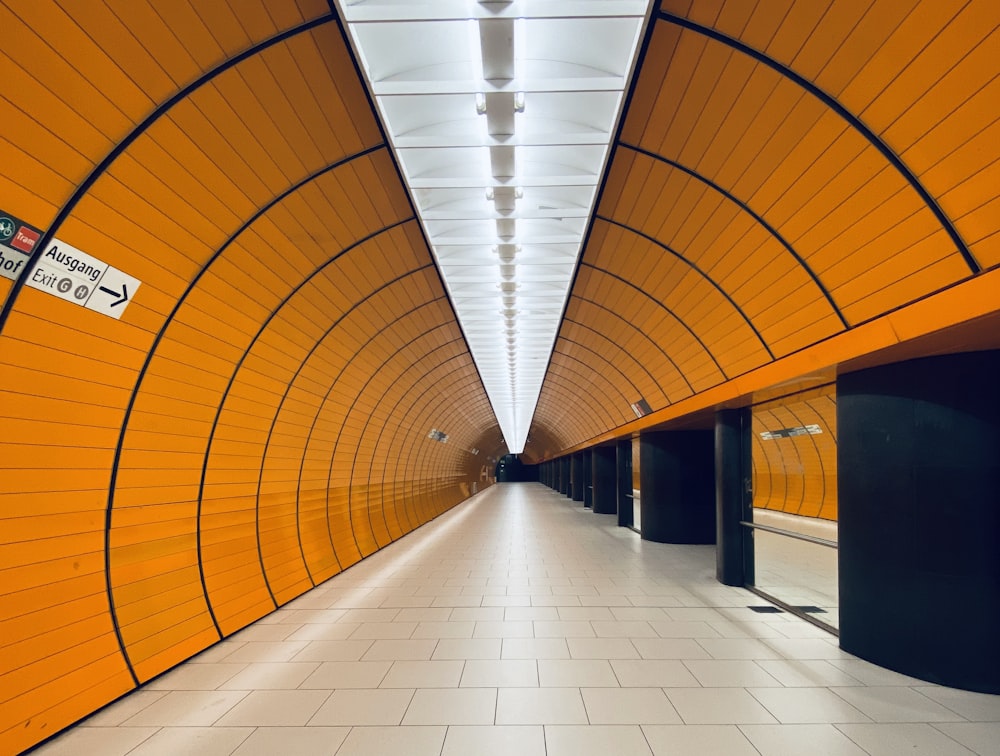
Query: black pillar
{"type": "Point", "coordinates": [588, 480]}
{"type": "Point", "coordinates": [623, 481]}
{"type": "Point", "coordinates": [565, 481]}
{"type": "Point", "coordinates": [733, 497]}
{"type": "Point", "coordinates": [677, 481]}
{"type": "Point", "coordinates": [919, 499]}
{"type": "Point", "coordinates": [576, 476]}
{"type": "Point", "coordinates": [603, 478]}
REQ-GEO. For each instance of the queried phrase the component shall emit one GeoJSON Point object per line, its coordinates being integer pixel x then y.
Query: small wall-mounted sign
{"type": "Point", "coordinates": [799, 430]}
{"type": "Point", "coordinates": [641, 407]}
{"type": "Point", "coordinates": [71, 274]}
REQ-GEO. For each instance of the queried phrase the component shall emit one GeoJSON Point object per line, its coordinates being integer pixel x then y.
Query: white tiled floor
{"type": "Point", "coordinates": [520, 623]}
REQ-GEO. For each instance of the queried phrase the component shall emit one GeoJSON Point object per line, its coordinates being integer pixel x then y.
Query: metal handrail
{"type": "Point", "coordinates": [791, 534]}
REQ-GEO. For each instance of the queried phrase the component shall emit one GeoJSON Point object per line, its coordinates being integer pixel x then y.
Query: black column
{"type": "Point", "coordinates": [733, 497]}
{"type": "Point", "coordinates": [919, 500]}
{"type": "Point", "coordinates": [588, 479]}
{"type": "Point", "coordinates": [576, 476]}
{"type": "Point", "coordinates": [565, 481]}
{"type": "Point", "coordinates": [603, 477]}
{"type": "Point", "coordinates": [623, 481]}
{"type": "Point", "coordinates": [677, 484]}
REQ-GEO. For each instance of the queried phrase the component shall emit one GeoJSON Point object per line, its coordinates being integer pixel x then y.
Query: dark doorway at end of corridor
{"type": "Point", "coordinates": [510, 469]}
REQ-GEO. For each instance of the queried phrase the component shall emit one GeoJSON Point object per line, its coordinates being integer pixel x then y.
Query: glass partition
{"type": "Point", "coordinates": [795, 503]}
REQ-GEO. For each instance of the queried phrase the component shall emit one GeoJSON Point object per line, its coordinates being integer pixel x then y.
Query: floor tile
{"type": "Point", "coordinates": [531, 613]}
{"type": "Point", "coordinates": [628, 706]}
{"type": "Point", "coordinates": [423, 674]}
{"type": "Point", "coordinates": [670, 648]}
{"type": "Point", "coordinates": [467, 648]}
{"type": "Point", "coordinates": [349, 674]}
{"type": "Point", "coordinates": [334, 650]}
{"type": "Point", "coordinates": [653, 673]}
{"type": "Point", "coordinates": [812, 739]}
{"type": "Point", "coordinates": [294, 741]}
{"type": "Point", "coordinates": [465, 706]}
{"type": "Point", "coordinates": [270, 676]}
{"type": "Point", "coordinates": [204, 741]}
{"type": "Point", "coordinates": [700, 740]}
{"type": "Point", "coordinates": [730, 673]}
{"type": "Point", "coordinates": [981, 737]}
{"type": "Point", "coordinates": [894, 704]}
{"type": "Point", "coordinates": [806, 648]}
{"type": "Point", "coordinates": [676, 629]}
{"type": "Point", "coordinates": [806, 706]}
{"type": "Point", "coordinates": [444, 630]}
{"type": "Point", "coordinates": [124, 708]}
{"type": "Point", "coordinates": [976, 707]}
{"type": "Point", "coordinates": [585, 613]}
{"type": "Point", "coordinates": [575, 673]}
{"type": "Point", "coordinates": [392, 650]}
{"type": "Point", "coordinates": [195, 676]}
{"type": "Point", "coordinates": [353, 708]}
{"type": "Point", "coordinates": [393, 741]}
{"type": "Point", "coordinates": [194, 708]}
{"type": "Point", "coordinates": [106, 741]}
{"type": "Point", "coordinates": [503, 629]}
{"type": "Point", "coordinates": [534, 648]}
{"type": "Point", "coordinates": [871, 674]}
{"type": "Point", "coordinates": [598, 740]}
{"type": "Point", "coordinates": [616, 629]}
{"type": "Point", "coordinates": [275, 708]}
{"type": "Point", "coordinates": [267, 651]}
{"type": "Point", "coordinates": [738, 648]}
{"type": "Point", "coordinates": [383, 630]}
{"type": "Point", "coordinates": [602, 648]}
{"type": "Point", "coordinates": [718, 706]}
{"type": "Point", "coordinates": [805, 673]}
{"type": "Point", "coordinates": [500, 673]}
{"type": "Point", "coordinates": [563, 629]}
{"type": "Point", "coordinates": [540, 706]}
{"type": "Point", "coordinates": [522, 740]}
{"type": "Point", "coordinates": [894, 739]}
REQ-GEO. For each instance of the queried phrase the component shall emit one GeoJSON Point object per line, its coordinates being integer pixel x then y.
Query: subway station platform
{"type": "Point", "coordinates": [520, 623]}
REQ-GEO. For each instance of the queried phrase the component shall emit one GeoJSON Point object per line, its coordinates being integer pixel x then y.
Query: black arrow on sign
{"type": "Point", "coordinates": [123, 294]}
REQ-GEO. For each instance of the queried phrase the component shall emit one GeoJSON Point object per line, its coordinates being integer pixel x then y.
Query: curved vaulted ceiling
{"type": "Point", "coordinates": [793, 184]}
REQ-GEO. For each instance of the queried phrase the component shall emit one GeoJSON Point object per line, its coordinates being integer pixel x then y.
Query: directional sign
{"type": "Point", "coordinates": [71, 274]}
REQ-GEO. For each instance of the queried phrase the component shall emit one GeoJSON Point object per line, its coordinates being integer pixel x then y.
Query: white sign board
{"type": "Point", "coordinates": [71, 274]}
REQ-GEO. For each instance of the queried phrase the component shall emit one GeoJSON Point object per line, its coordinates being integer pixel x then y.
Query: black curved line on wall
{"type": "Point", "coordinates": [274, 422]}
{"type": "Point", "coordinates": [644, 335]}
{"type": "Point", "coordinates": [693, 266]}
{"type": "Point", "coordinates": [643, 368]}
{"type": "Point", "coordinates": [354, 457]}
{"type": "Point", "coordinates": [759, 219]}
{"type": "Point", "coordinates": [140, 378]}
{"type": "Point", "coordinates": [819, 457]}
{"type": "Point", "coordinates": [578, 373]}
{"type": "Point", "coordinates": [831, 102]}
{"type": "Point", "coordinates": [799, 457]}
{"type": "Point", "coordinates": [415, 416]}
{"type": "Point", "coordinates": [124, 144]}
{"type": "Point", "coordinates": [557, 382]}
{"type": "Point", "coordinates": [662, 306]}
{"type": "Point", "coordinates": [319, 411]}
{"type": "Point", "coordinates": [326, 396]}
{"type": "Point", "coordinates": [225, 395]}
{"type": "Point", "coordinates": [395, 407]}
{"type": "Point", "coordinates": [602, 358]}
{"type": "Point", "coordinates": [392, 412]}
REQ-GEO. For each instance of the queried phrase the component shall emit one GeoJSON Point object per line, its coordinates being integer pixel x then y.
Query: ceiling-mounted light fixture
{"type": "Point", "coordinates": [481, 103]}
